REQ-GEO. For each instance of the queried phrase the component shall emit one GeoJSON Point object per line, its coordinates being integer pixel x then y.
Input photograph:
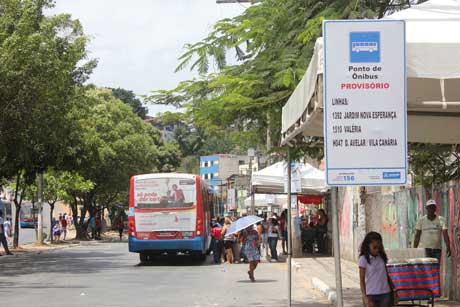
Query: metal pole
{"type": "Point", "coordinates": [289, 221]}
{"type": "Point", "coordinates": [40, 206]}
{"type": "Point", "coordinates": [336, 240]}
{"type": "Point", "coordinates": [253, 200]}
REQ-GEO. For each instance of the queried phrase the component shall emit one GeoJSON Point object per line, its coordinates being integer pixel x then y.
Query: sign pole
{"type": "Point", "coordinates": [336, 240]}
{"type": "Point", "coordinates": [289, 222]}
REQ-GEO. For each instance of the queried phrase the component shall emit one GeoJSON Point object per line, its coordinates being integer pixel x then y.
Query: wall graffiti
{"type": "Point", "coordinates": [394, 214]}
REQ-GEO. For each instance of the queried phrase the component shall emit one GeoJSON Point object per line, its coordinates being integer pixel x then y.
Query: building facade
{"type": "Point", "coordinates": [216, 169]}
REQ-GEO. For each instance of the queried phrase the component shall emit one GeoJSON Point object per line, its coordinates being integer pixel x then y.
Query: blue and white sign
{"type": "Point", "coordinates": [364, 47]}
{"type": "Point", "coordinates": [365, 102]}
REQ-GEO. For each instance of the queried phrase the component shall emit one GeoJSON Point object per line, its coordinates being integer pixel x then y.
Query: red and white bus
{"type": "Point", "coordinates": [169, 213]}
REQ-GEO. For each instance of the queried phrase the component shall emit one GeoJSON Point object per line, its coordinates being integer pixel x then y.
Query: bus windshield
{"type": "Point", "coordinates": [163, 193]}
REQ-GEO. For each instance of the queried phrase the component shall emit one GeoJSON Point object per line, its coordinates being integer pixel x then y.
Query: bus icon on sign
{"type": "Point", "coordinates": [365, 47]}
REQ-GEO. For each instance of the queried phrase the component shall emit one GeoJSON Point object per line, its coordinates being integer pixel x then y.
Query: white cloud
{"type": "Point", "coordinates": [138, 42]}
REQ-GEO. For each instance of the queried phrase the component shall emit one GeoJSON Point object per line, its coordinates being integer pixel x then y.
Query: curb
{"type": "Point", "coordinates": [319, 285]}
{"type": "Point", "coordinates": [324, 289]}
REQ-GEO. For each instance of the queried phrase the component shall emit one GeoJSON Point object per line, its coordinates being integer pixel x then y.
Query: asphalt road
{"type": "Point", "coordinates": [105, 274]}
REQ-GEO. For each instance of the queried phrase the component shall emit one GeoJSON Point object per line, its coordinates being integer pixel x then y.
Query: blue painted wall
{"type": "Point", "coordinates": [211, 169]}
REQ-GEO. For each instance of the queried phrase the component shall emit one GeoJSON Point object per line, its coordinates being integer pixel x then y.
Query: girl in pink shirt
{"type": "Point", "coordinates": [376, 287]}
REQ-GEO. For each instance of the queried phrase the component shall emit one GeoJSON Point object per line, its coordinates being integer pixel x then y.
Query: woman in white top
{"type": "Point", "coordinates": [273, 235]}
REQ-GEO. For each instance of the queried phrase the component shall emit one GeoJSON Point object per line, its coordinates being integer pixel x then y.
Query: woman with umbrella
{"type": "Point", "coordinates": [251, 249]}
{"type": "Point", "coordinates": [250, 240]}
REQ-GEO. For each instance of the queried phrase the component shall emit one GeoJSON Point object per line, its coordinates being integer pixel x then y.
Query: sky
{"type": "Point", "coordinates": [138, 42]}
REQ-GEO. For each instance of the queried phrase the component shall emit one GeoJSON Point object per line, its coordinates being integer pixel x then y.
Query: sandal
{"type": "Point", "coordinates": [251, 276]}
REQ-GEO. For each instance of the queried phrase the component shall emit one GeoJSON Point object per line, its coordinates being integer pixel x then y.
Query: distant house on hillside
{"type": "Point", "coordinates": [167, 130]}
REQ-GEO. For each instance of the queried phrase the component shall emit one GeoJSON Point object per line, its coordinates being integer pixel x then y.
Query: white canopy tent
{"type": "Point", "coordinates": [271, 179]}
{"type": "Point", "coordinates": [266, 200]}
{"type": "Point", "coordinates": [433, 79]}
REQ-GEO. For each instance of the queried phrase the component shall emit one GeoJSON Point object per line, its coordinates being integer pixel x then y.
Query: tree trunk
{"type": "Point", "coordinates": [33, 220]}
{"type": "Point", "coordinates": [51, 222]}
{"type": "Point", "coordinates": [82, 228]}
{"type": "Point", "coordinates": [16, 224]}
{"type": "Point", "coordinates": [17, 204]}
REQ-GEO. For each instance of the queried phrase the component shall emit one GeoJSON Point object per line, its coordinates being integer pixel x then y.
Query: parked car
{"type": "Point", "coordinates": [28, 222]}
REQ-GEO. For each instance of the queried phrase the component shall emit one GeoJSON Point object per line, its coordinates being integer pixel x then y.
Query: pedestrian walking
{"type": "Point", "coordinates": [260, 232]}
{"type": "Point", "coordinates": [251, 250]}
{"type": "Point", "coordinates": [98, 227]}
{"type": "Point", "coordinates": [321, 231]}
{"type": "Point", "coordinates": [273, 235]}
{"type": "Point", "coordinates": [8, 228]}
{"type": "Point", "coordinates": [228, 240]}
{"type": "Point", "coordinates": [69, 220]}
{"type": "Point", "coordinates": [92, 224]}
{"type": "Point", "coordinates": [283, 231]}
{"type": "Point", "coordinates": [120, 227]}
{"type": "Point", "coordinates": [57, 231]}
{"type": "Point", "coordinates": [216, 242]}
{"type": "Point", "coordinates": [376, 287]}
{"type": "Point", "coordinates": [64, 226]}
{"type": "Point", "coordinates": [2, 235]}
{"type": "Point", "coordinates": [429, 230]}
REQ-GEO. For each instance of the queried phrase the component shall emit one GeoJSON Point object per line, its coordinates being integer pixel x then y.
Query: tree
{"type": "Point", "coordinates": [75, 187]}
{"type": "Point", "coordinates": [112, 144]}
{"type": "Point", "coordinates": [273, 43]}
{"type": "Point", "coordinates": [40, 70]}
{"type": "Point", "coordinates": [130, 99]}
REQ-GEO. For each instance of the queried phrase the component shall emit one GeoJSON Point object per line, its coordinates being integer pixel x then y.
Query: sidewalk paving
{"type": "Point", "coordinates": [319, 274]}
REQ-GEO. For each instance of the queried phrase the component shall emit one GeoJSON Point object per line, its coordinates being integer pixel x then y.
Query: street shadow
{"type": "Point", "coordinates": [70, 261]}
{"type": "Point", "coordinates": [176, 260]}
{"type": "Point", "coordinates": [258, 281]}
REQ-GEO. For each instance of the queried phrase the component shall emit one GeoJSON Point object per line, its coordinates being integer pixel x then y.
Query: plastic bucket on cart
{"type": "Point", "coordinates": [412, 278]}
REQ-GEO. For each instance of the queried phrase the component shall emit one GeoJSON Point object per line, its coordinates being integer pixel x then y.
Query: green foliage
{"type": "Point", "coordinates": [114, 143]}
{"type": "Point", "coordinates": [40, 68]}
{"type": "Point", "coordinates": [434, 163]}
{"type": "Point", "coordinates": [273, 43]}
{"type": "Point", "coordinates": [130, 99]}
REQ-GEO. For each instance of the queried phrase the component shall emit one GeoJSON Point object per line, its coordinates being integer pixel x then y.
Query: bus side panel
{"type": "Point", "coordinates": [131, 222]}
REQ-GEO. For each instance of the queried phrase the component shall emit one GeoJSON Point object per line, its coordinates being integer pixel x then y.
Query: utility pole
{"type": "Point", "coordinates": [40, 207]}
{"type": "Point", "coordinates": [289, 227]}
{"type": "Point", "coordinates": [251, 154]}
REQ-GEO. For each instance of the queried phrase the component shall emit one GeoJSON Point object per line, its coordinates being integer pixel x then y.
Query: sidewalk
{"type": "Point", "coordinates": [319, 274]}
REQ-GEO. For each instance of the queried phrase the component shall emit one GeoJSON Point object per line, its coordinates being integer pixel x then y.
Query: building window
{"type": "Point", "coordinates": [212, 176]}
{"type": "Point", "coordinates": [216, 174]}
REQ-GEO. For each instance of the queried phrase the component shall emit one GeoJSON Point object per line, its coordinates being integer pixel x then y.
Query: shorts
{"type": "Point", "coordinates": [228, 244]}
{"type": "Point", "coordinates": [284, 234]}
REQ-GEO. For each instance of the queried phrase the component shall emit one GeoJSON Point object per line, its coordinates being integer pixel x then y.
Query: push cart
{"type": "Point", "coordinates": [416, 281]}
